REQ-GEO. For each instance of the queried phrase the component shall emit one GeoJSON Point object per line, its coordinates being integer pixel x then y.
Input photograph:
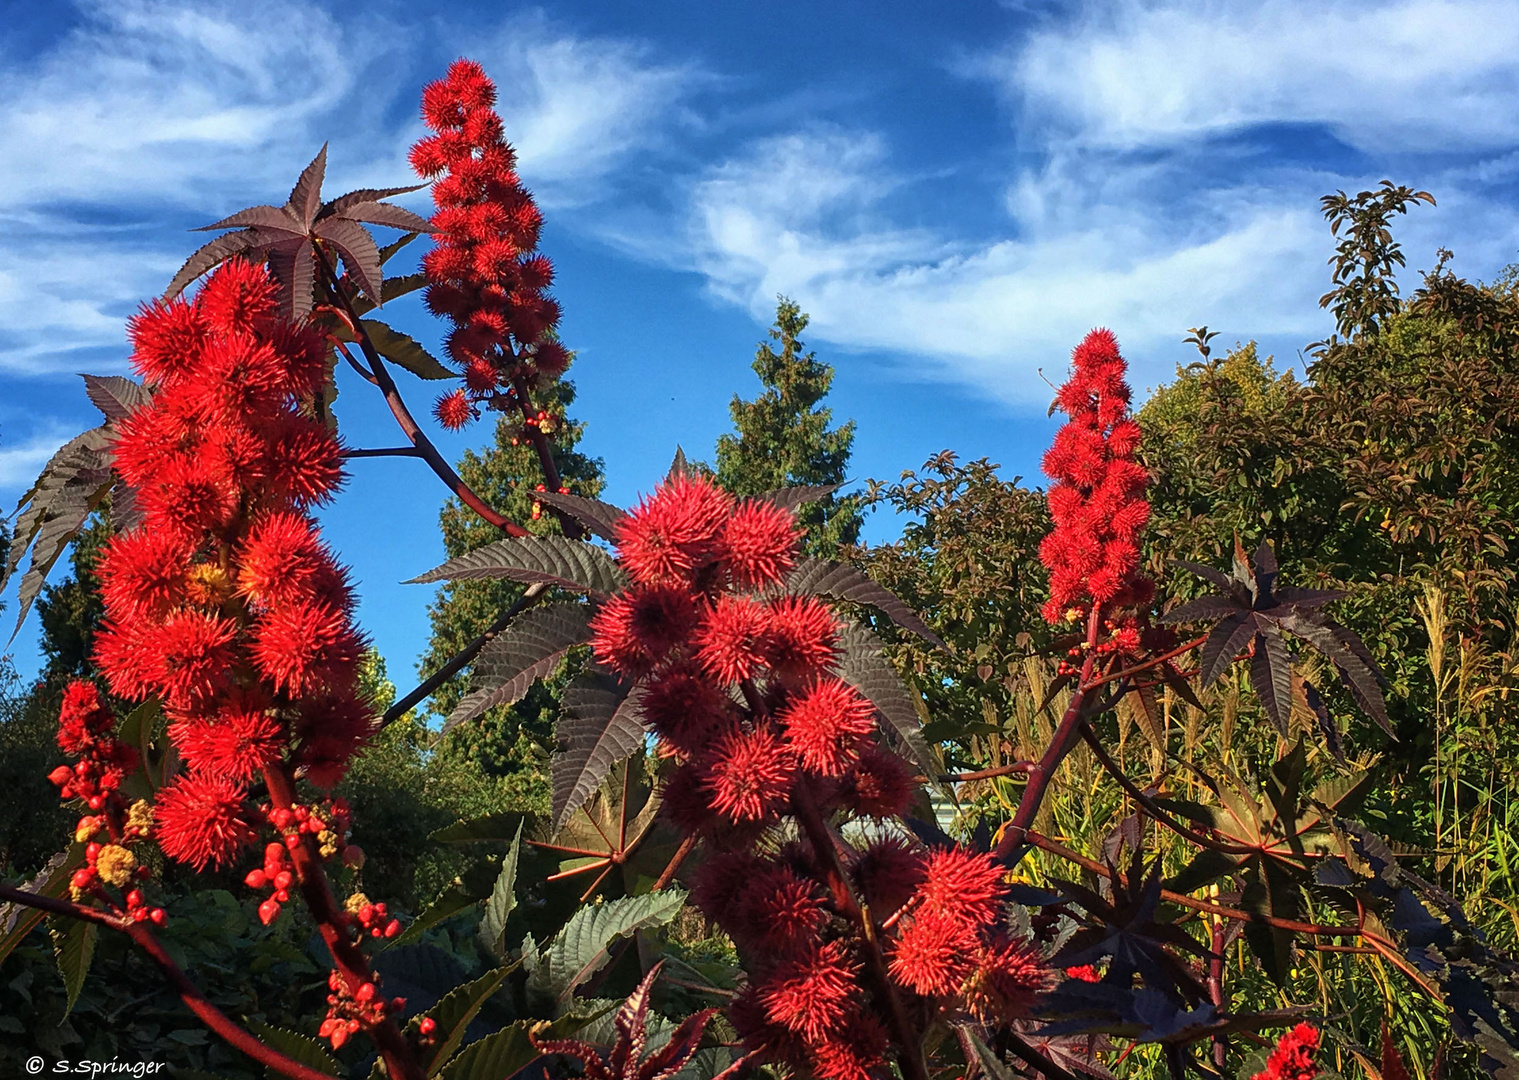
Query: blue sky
{"type": "Point", "coordinates": [955, 199]}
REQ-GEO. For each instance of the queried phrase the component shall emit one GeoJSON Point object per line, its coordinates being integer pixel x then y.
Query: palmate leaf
{"type": "Point", "coordinates": [17, 920]}
{"type": "Point", "coordinates": [405, 351]}
{"type": "Point", "coordinates": [601, 725]}
{"type": "Point", "coordinates": [72, 485]}
{"type": "Point", "coordinates": [287, 236]}
{"type": "Point", "coordinates": [599, 518]}
{"type": "Point", "coordinates": [115, 396]}
{"type": "Point", "coordinates": [821, 577]}
{"type": "Point", "coordinates": [584, 945]}
{"type": "Point", "coordinates": [789, 498]}
{"type": "Point", "coordinates": [526, 651]}
{"type": "Point", "coordinates": [1253, 612]}
{"type": "Point", "coordinates": [554, 560]}
{"type": "Point", "coordinates": [73, 948]}
{"type": "Point", "coordinates": [503, 900]}
{"type": "Point", "coordinates": [297, 1047]}
{"type": "Point", "coordinates": [863, 667]}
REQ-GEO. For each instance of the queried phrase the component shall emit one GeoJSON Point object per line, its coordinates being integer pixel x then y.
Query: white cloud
{"type": "Point", "coordinates": [577, 107]}
{"type": "Point", "coordinates": [151, 111]}
{"type": "Point", "coordinates": [20, 463]}
{"type": "Point", "coordinates": [797, 215]}
{"type": "Point", "coordinates": [1398, 75]}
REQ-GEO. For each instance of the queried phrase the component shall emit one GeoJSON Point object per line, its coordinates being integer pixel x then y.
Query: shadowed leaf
{"type": "Point", "coordinates": [526, 651]}
{"type": "Point", "coordinates": [600, 726]}
{"type": "Point", "coordinates": [820, 577]}
{"type": "Point", "coordinates": [554, 560]}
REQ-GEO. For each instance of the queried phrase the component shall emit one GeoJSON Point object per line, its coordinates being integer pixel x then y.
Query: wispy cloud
{"type": "Point", "coordinates": [21, 462]}
{"type": "Point", "coordinates": [1399, 75]}
{"type": "Point", "coordinates": [577, 107]}
{"type": "Point", "coordinates": [1121, 208]}
{"type": "Point", "coordinates": [163, 112]}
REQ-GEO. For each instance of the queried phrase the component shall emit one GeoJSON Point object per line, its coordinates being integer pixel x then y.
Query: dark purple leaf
{"type": "Point", "coordinates": [1271, 675]}
{"type": "Point", "coordinates": [598, 517]}
{"type": "Point", "coordinates": [115, 396]}
{"type": "Point", "coordinates": [600, 725]}
{"type": "Point", "coordinates": [269, 219]}
{"type": "Point", "coordinates": [213, 254]}
{"type": "Point", "coordinates": [1201, 609]}
{"type": "Point", "coordinates": [1223, 644]}
{"type": "Point", "coordinates": [820, 577]}
{"type": "Point", "coordinates": [366, 195]}
{"type": "Point", "coordinates": [358, 249]}
{"type": "Point", "coordinates": [394, 217]}
{"type": "Point", "coordinates": [306, 196]}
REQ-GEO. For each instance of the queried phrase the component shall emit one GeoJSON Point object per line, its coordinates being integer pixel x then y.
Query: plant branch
{"type": "Point", "coordinates": [332, 923]}
{"type": "Point", "coordinates": [398, 409]}
{"type": "Point", "coordinates": [821, 838]}
{"type": "Point", "coordinates": [1147, 665]}
{"type": "Point", "coordinates": [189, 993]}
{"type": "Point", "coordinates": [1041, 773]}
{"type": "Point", "coordinates": [551, 478]}
{"type": "Point", "coordinates": [384, 451]}
{"type": "Point", "coordinates": [1154, 809]}
{"type": "Point", "coordinates": [981, 774]}
{"type": "Point", "coordinates": [673, 866]}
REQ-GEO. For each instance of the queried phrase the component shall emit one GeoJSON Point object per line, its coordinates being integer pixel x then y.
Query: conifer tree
{"type": "Point", "coordinates": [783, 438]}
{"type": "Point", "coordinates": [511, 740]}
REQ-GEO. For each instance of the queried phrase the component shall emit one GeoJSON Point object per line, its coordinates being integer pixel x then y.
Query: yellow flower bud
{"type": "Point", "coordinates": [115, 864]}
{"type": "Point", "coordinates": [354, 902]}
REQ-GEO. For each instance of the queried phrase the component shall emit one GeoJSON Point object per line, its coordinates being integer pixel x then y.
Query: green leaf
{"type": "Point", "coordinates": [553, 560]}
{"type": "Point", "coordinates": [500, 826]}
{"type": "Point", "coordinates": [460, 896]}
{"type": "Point", "coordinates": [17, 920]}
{"type": "Point", "coordinates": [455, 1013]}
{"type": "Point", "coordinates": [580, 949]}
{"type": "Point", "coordinates": [526, 651]}
{"type": "Point", "coordinates": [495, 1057]}
{"type": "Point", "coordinates": [995, 1067]}
{"type": "Point", "coordinates": [503, 899]}
{"type": "Point", "coordinates": [144, 730]}
{"type": "Point", "coordinates": [297, 1047]}
{"type": "Point", "coordinates": [405, 351]}
{"type": "Point", "coordinates": [73, 948]}
{"type": "Point", "coordinates": [601, 725]}
{"type": "Point", "coordinates": [600, 518]}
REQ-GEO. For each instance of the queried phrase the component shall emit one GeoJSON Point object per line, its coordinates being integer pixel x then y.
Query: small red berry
{"type": "Point", "coordinates": [268, 911]}
{"type": "Point", "coordinates": [256, 879]}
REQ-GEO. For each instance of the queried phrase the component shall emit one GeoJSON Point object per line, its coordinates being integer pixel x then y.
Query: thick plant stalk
{"type": "Point", "coordinates": [189, 993]}
{"type": "Point", "coordinates": [408, 424]}
{"type": "Point", "coordinates": [352, 965]}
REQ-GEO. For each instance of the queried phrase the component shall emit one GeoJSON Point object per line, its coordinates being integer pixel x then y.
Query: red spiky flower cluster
{"type": "Point", "coordinates": [1293, 1057]}
{"type": "Point", "coordinates": [484, 272]}
{"type": "Point", "coordinates": [738, 686]}
{"type": "Point", "coordinates": [1097, 499]}
{"type": "Point", "coordinates": [223, 602]}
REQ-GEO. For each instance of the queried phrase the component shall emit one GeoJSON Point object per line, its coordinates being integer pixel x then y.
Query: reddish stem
{"type": "Point", "coordinates": [1146, 666]}
{"type": "Point", "coordinates": [409, 427]}
{"type": "Point", "coordinates": [332, 922]}
{"type": "Point", "coordinates": [673, 866]}
{"type": "Point", "coordinates": [981, 774]}
{"type": "Point", "coordinates": [549, 467]}
{"type": "Point", "coordinates": [910, 1057]}
{"type": "Point", "coordinates": [189, 993]}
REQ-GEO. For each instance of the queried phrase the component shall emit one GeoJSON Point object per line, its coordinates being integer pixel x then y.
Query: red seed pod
{"type": "Point", "coordinates": [293, 841]}
{"type": "Point", "coordinates": [268, 911]}
{"type": "Point", "coordinates": [91, 851]}
{"type": "Point", "coordinates": [256, 879]}
{"type": "Point", "coordinates": [274, 853]}
{"type": "Point", "coordinates": [159, 916]}
{"type": "Point", "coordinates": [61, 775]}
{"type": "Point", "coordinates": [95, 802]}
{"type": "Point", "coordinates": [282, 895]}
{"type": "Point", "coordinates": [392, 928]}
{"type": "Point", "coordinates": [364, 992]}
{"type": "Point", "coordinates": [327, 1027]}
{"type": "Point", "coordinates": [140, 914]}
{"type": "Point", "coordinates": [339, 1037]}
{"type": "Point", "coordinates": [82, 878]}
{"type": "Point", "coordinates": [397, 1004]}
{"type": "Point", "coordinates": [134, 899]}
{"type": "Point", "coordinates": [283, 879]}
{"type": "Point", "coordinates": [366, 914]}
{"type": "Point", "coordinates": [280, 818]}
{"type": "Point", "coordinates": [427, 1026]}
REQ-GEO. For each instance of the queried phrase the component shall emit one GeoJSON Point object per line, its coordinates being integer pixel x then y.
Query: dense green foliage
{"type": "Point", "coordinates": [782, 438]}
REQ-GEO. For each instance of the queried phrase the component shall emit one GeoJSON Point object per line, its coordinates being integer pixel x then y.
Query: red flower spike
{"type": "Point", "coordinates": [1009, 977]}
{"type": "Point", "coordinates": [814, 994]}
{"type": "Point", "coordinates": [933, 955]}
{"type": "Point", "coordinates": [731, 642]}
{"type": "Point", "coordinates": [749, 775]}
{"type": "Point", "coordinates": [239, 300]}
{"type": "Point", "coordinates": [881, 785]}
{"type": "Point", "coordinates": [802, 640]}
{"type": "Point", "coordinates": [454, 411]}
{"type": "Point", "coordinates": [856, 1053]}
{"type": "Point", "coordinates": [825, 724]}
{"type": "Point", "coordinates": [1293, 1057]}
{"type": "Point", "coordinates": [193, 655]}
{"type": "Point", "coordinates": [685, 709]}
{"type": "Point", "coordinates": [962, 887]}
{"type": "Point", "coordinates": [306, 646]}
{"type": "Point", "coordinates": [237, 742]}
{"type": "Point", "coordinates": [198, 819]}
{"type": "Point", "coordinates": [889, 871]}
{"type": "Point", "coordinates": [1097, 498]}
{"type": "Point", "coordinates": [759, 544]}
{"type": "Point", "coordinates": [142, 572]}
{"type": "Point", "coordinates": [167, 339]}
{"type": "Point", "coordinates": [675, 531]}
